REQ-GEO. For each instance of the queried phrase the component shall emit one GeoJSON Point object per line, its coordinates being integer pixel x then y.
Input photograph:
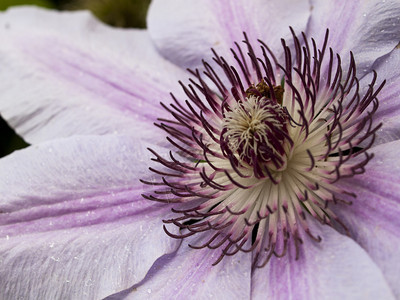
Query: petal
{"type": "Point", "coordinates": [189, 273]}
{"type": "Point", "coordinates": [66, 73]}
{"type": "Point", "coordinates": [73, 223]}
{"type": "Point", "coordinates": [373, 218]}
{"type": "Point", "coordinates": [335, 268]}
{"type": "Point", "coordinates": [184, 31]}
{"type": "Point", "coordinates": [53, 172]}
{"type": "Point", "coordinates": [389, 104]}
{"type": "Point", "coordinates": [370, 29]}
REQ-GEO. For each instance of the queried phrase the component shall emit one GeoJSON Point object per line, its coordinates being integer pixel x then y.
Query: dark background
{"type": "Point", "coordinates": [119, 13]}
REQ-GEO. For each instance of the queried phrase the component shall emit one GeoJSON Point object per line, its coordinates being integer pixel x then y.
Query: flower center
{"type": "Point", "coordinates": [252, 158]}
{"type": "Point", "coordinates": [255, 131]}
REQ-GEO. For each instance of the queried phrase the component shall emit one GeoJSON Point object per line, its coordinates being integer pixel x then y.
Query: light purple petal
{"type": "Point", "coordinates": [65, 73]}
{"type": "Point", "coordinates": [184, 31]}
{"type": "Point", "coordinates": [73, 224]}
{"type": "Point", "coordinates": [373, 218]}
{"type": "Point", "coordinates": [189, 274]}
{"type": "Point", "coordinates": [335, 268]}
{"type": "Point", "coordinates": [388, 113]}
{"type": "Point", "coordinates": [370, 29]}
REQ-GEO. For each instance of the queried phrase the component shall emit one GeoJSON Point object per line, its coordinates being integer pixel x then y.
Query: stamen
{"type": "Point", "coordinates": [258, 146]}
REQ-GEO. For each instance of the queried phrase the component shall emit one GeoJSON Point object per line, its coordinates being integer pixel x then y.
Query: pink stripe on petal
{"type": "Point", "coordinates": [71, 183]}
{"type": "Point", "coordinates": [84, 77]}
{"type": "Point", "coordinates": [121, 208]}
{"type": "Point", "coordinates": [132, 91]}
{"type": "Point", "coordinates": [218, 24]}
{"type": "Point", "coordinates": [373, 217]}
{"type": "Point", "coordinates": [335, 268]}
{"type": "Point", "coordinates": [189, 274]}
{"type": "Point", "coordinates": [73, 224]}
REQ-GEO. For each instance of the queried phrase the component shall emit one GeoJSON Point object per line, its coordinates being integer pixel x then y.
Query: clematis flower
{"type": "Point", "coordinates": [272, 172]}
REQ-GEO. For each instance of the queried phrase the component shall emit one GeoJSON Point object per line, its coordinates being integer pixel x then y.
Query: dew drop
{"type": "Point", "coordinates": [89, 282]}
{"type": "Point", "coordinates": [149, 291]}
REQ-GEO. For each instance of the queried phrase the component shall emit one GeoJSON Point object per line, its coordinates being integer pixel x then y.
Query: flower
{"type": "Point", "coordinates": [74, 223]}
{"type": "Point", "coordinates": [266, 151]}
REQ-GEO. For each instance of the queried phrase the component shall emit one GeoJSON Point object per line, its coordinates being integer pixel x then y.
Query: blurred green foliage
{"type": "Point", "coordinates": [120, 13]}
{"type": "Point", "coordinates": [7, 3]}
